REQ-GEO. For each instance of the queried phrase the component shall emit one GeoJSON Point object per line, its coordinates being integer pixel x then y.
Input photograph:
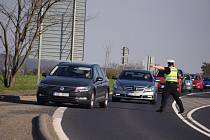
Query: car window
{"type": "Point", "coordinates": [160, 73]}
{"type": "Point", "coordinates": [180, 72]}
{"type": "Point", "coordinates": [197, 77]}
{"type": "Point", "coordinates": [72, 71]}
{"type": "Point", "coordinates": [96, 73]}
{"type": "Point", "coordinates": [135, 75]}
{"type": "Point", "coordinates": [187, 77]}
{"type": "Point", "coordinates": [101, 74]}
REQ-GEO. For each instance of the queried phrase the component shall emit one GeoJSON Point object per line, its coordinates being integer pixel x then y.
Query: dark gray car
{"type": "Point", "coordinates": [82, 84]}
{"type": "Point", "coordinates": [135, 85]}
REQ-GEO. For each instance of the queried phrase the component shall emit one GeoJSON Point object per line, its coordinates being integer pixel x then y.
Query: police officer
{"type": "Point", "coordinates": [171, 78]}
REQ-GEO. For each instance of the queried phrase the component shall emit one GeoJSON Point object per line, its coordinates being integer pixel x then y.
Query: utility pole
{"type": "Point", "coordinates": [61, 39]}
{"type": "Point", "coordinates": [107, 57]}
{"type": "Point", "coordinates": [73, 31]}
{"type": "Point", "coordinates": [39, 50]}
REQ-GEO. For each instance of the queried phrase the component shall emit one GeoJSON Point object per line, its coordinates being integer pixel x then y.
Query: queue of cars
{"type": "Point", "coordinates": [186, 82]}
{"type": "Point", "coordinates": [87, 84]}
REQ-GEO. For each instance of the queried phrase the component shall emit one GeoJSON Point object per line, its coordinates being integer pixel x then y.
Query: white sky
{"type": "Point", "coordinates": [165, 29]}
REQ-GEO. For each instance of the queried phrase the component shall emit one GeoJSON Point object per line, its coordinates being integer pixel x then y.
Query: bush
{"type": "Point", "coordinates": [110, 72]}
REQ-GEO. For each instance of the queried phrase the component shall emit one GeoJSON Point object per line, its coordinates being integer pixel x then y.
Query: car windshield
{"type": "Point", "coordinates": [136, 75]}
{"type": "Point", "coordinates": [72, 71]}
{"type": "Point", "coordinates": [160, 73]}
{"type": "Point", "coordinates": [187, 77]}
{"type": "Point", "coordinates": [197, 77]}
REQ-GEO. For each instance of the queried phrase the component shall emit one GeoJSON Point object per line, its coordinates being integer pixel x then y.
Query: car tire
{"type": "Point", "coordinates": [40, 101]}
{"type": "Point", "coordinates": [114, 99]}
{"type": "Point", "coordinates": [91, 103]}
{"type": "Point", "coordinates": [105, 102]}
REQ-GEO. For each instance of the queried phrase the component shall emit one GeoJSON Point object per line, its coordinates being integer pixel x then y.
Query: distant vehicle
{"type": "Point", "coordinates": [82, 84]}
{"type": "Point", "coordinates": [135, 85]}
{"type": "Point", "coordinates": [180, 81]}
{"type": "Point", "coordinates": [161, 84]}
{"type": "Point", "coordinates": [206, 82]}
{"type": "Point", "coordinates": [198, 82]}
{"type": "Point", "coordinates": [187, 83]}
{"type": "Point", "coordinates": [192, 76]}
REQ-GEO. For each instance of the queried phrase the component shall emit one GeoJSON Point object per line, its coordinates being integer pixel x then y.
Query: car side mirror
{"type": "Point", "coordinates": [99, 79]}
{"type": "Point", "coordinates": [44, 74]}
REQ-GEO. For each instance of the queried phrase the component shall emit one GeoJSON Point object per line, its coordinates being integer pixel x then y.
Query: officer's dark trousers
{"type": "Point", "coordinates": [171, 89]}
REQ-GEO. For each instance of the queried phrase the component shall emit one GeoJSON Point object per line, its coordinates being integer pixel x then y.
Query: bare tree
{"type": "Point", "coordinates": [19, 28]}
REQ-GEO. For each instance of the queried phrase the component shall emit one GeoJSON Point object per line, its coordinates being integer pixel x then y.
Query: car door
{"type": "Point", "coordinates": [97, 84]}
{"type": "Point", "coordinates": [104, 83]}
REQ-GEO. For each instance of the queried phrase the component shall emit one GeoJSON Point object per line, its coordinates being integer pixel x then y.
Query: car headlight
{"type": "Point", "coordinates": [149, 89]}
{"type": "Point", "coordinates": [82, 89]}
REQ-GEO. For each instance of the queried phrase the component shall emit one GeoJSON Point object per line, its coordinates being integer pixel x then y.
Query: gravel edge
{"type": "Point", "coordinates": [46, 130]}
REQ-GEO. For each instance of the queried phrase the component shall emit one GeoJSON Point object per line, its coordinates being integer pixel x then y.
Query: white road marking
{"type": "Point", "coordinates": [186, 121]}
{"type": "Point", "coordinates": [57, 118]}
{"type": "Point", "coordinates": [189, 116]}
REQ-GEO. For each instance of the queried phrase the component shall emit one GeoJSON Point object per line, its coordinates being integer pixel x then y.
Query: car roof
{"type": "Point", "coordinates": [76, 64]}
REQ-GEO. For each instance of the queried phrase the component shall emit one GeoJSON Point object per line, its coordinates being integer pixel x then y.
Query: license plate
{"type": "Point", "coordinates": [61, 94]}
{"type": "Point", "coordinates": [134, 94]}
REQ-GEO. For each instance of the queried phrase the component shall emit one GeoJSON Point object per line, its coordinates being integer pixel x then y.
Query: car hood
{"type": "Point", "coordinates": [66, 81]}
{"type": "Point", "coordinates": [134, 83]}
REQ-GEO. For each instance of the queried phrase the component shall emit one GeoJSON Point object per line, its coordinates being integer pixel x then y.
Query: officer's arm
{"type": "Point", "coordinates": [158, 67]}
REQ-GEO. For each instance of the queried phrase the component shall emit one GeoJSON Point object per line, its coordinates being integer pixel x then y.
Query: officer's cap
{"type": "Point", "coordinates": [171, 61]}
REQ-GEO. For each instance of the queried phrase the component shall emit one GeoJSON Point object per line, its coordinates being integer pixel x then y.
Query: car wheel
{"type": "Point", "coordinates": [40, 101]}
{"type": "Point", "coordinates": [114, 99]}
{"type": "Point", "coordinates": [105, 102]}
{"type": "Point", "coordinates": [91, 102]}
{"type": "Point", "coordinates": [58, 103]}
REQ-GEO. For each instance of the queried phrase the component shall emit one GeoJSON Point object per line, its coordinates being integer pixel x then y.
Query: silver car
{"type": "Point", "coordinates": [135, 85]}
{"type": "Point", "coordinates": [188, 84]}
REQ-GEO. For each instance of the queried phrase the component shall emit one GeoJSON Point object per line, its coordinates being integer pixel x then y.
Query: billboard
{"type": "Point", "coordinates": [63, 32]}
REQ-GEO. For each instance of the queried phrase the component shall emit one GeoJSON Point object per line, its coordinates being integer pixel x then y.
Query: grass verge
{"type": "Point", "coordinates": [26, 84]}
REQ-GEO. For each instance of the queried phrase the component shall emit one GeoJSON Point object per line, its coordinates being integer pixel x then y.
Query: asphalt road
{"type": "Point", "coordinates": [202, 116]}
{"type": "Point", "coordinates": [127, 121]}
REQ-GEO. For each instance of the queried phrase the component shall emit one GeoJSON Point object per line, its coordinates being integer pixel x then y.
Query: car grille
{"type": "Point", "coordinates": [58, 88]}
{"type": "Point", "coordinates": [134, 88]}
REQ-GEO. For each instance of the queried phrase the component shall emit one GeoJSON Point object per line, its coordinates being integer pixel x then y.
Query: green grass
{"type": "Point", "coordinates": [111, 83]}
{"type": "Point", "coordinates": [23, 83]}
{"type": "Point", "coordinates": [27, 83]}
